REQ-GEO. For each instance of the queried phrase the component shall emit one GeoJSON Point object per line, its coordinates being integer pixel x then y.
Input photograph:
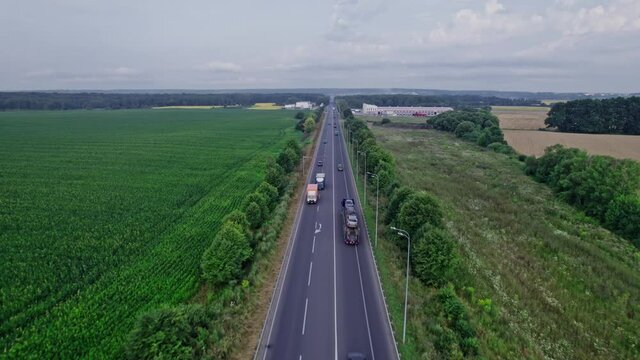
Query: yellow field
{"type": "Point", "coordinates": [520, 125]}
{"type": "Point", "coordinates": [265, 106]}
{"type": "Point", "coordinates": [205, 107]}
{"type": "Point", "coordinates": [520, 117]}
{"type": "Point", "coordinates": [534, 142]}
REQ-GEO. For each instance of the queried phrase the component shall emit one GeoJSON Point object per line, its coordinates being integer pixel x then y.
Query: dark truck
{"type": "Point", "coordinates": [350, 218]}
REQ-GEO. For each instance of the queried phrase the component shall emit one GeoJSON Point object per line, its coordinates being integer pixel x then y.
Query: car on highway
{"type": "Point", "coordinates": [336, 132]}
{"type": "Point", "coordinates": [319, 162]}
{"type": "Point", "coordinates": [324, 141]}
{"type": "Point", "coordinates": [340, 168]}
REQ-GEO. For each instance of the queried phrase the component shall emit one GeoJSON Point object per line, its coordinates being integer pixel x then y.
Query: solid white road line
{"type": "Point", "coordinates": [310, 270]}
{"type": "Point", "coordinates": [335, 300]}
{"type": "Point", "coordinates": [364, 303]}
{"type": "Point", "coordinates": [304, 321]}
{"type": "Point", "coordinates": [313, 247]}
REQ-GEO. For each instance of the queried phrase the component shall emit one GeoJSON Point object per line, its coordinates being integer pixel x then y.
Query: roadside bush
{"type": "Point", "coordinates": [458, 320]}
{"type": "Point", "coordinates": [500, 148]}
{"type": "Point", "coordinates": [490, 135]}
{"type": "Point", "coordinates": [223, 260]}
{"type": "Point", "coordinates": [385, 121]}
{"type": "Point", "coordinates": [180, 332]}
{"type": "Point", "coordinates": [623, 217]}
{"type": "Point", "coordinates": [397, 199]}
{"type": "Point", "coordinates": [299, 115]}
{"type": "Point", "coordinates": [417, 210]}
{"type": "Point", "coordinates": [433, 256]}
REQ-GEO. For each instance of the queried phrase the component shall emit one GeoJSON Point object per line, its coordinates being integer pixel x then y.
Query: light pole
{"type": "Point", "coordinates": [364, 178]}
{"type": "Point", "coordinates": [357, 162]}
{"type": "Point", "coordinates": [406, 288]}
{"type": "Point", "coordinates": [377, 198]}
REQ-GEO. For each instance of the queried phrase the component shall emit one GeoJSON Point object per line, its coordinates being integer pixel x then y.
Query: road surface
{"type": "Point", "coordinates": [327, 301]}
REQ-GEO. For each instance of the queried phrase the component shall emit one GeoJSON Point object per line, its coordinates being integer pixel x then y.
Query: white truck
{"type": "Point", "coordinates": [320, 181]}
{"type": "Point", "coordinates": [312, 194]}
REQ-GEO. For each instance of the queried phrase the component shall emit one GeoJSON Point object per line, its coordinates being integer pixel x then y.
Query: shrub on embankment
{"type": "Point", "coordinates": [603, 187]}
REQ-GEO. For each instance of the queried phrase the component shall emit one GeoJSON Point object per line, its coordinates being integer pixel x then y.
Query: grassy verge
{"type": "Point", "coordinates": [539, 278]}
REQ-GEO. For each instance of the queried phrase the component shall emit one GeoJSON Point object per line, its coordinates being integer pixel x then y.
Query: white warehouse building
{"type": "Point", "coordinates": [368, 109]}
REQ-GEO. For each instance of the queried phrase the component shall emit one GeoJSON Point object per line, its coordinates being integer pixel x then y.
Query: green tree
{"type": "Point", "coordinates": [239, 218]}
{"type": "Point", "coordinates": [433, 256]}
{"type": "Point", "coordinates": [299, 115]}
{"type": "Point", "coordinates": [623, 217]}
{"type": "Point", "coordinates": [254, 215]}
{"type": "Point", "coordinates": [259, 199]}
{"type": "Point", "coordinates": [417, 210]}
{"type": "Point", "coordinates": [295, 146]}
{"type": "Point", "coordinates": [397, 199]}
{"type": "Point", "coordinates": [490, 135]}
{"type": "Point", "coordinates": [287, 159]}
{"type": "Point", "coordinates": [223, 260]}
{"type": "Point", "coordinates": [275, 175]}
{"type": "Point", "coordinates": [309, 125]}
{"type": "Point", "coordinates": [464, 128]}
{"type": "Point", "coordinates": [270, 192]}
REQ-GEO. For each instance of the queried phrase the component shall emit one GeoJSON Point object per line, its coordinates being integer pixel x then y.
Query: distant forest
{"type": "Point", "coordinates": [608, 116]}
{"type": "Point", "coordinates": [455, 101]}
{"type": "Point", "coordinates": [73, 101]}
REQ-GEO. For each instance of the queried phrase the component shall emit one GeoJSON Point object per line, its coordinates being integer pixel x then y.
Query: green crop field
{"type": "Point", "coordinates": [540, 279]}
{"type": "Point", "coordinates": [105, 214]}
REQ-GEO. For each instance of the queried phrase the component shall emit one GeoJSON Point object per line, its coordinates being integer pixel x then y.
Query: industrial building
{"type": "Point", "coordinates": [368, 109]}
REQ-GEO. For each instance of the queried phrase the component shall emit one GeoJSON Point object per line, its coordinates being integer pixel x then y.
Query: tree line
{"type": "Point", "coordinates": [230, 268]}
{"type": "Point", "coordinates": [78, 101]}
{"type": "Point", "coordinates": [605, 188]}
{"type": "Point", "coordinates": [455, 101]}
{"type": "Point", "coordinates": [434, 255]}
{"type": "Point", "coordinates": [475, 125]}
{"type": "Point", "coordinates": [608, 116]}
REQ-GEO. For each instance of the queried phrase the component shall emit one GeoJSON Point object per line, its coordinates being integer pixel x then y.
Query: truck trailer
{"type": "Point", "coordinates": [351, 224]}
{"type": "Point", "coordinates": [312, 194]}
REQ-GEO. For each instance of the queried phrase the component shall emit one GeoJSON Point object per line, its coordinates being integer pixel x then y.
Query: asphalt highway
{"type": "Point", "coordinates": [327, 301]}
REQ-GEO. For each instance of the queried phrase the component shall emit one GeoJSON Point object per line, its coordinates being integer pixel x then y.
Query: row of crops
{"type": "Point", "coordinates": [105, 214]}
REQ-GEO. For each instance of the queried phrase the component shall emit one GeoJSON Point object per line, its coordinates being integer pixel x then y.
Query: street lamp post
{"type": "Point", "coordinates": [403, 233]}
{"type": "Point", "coordinates": [364, 177]}
{"type": "Point", "coordinates": [377, 200]}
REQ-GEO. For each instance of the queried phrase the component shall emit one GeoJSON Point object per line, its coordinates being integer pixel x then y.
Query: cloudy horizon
{"type": "Point", "coordinates": [549, 45]}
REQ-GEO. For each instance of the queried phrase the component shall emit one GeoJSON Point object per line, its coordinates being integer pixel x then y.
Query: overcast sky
{"type": "Point", "coordinates": [541, 45]}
